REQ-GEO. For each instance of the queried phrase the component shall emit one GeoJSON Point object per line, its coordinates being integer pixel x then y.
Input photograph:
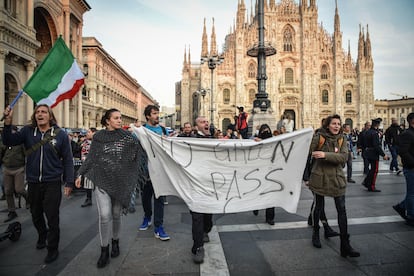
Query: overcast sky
{"type": "Point", "coordinates": [148, 37]}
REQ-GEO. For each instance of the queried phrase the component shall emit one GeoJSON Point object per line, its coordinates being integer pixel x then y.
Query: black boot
{"type": "Point", "coordinates": [315, 238]}
{"type": "Point", "coordinates": [329, 232]}
{"type": "Point", "coordinates": [115, 248]}
{"type": "Point", "coordinates": [310, 220]}
{"type": "Point", "coordinates": [104, 258]}
{"type": "Point", "coordinates": [346, 248]}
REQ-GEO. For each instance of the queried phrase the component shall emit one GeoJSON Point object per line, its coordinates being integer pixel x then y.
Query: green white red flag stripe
{"type": "Point", "coordinates": [57, 78]}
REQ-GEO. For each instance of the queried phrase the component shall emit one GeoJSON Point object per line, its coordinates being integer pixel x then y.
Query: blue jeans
{"type": "Point", "coordinates": [408, 202]}
{"type": "Point", "coordinates": [394, 155]}
{"type": "Point", "coordinates": [146, 196]}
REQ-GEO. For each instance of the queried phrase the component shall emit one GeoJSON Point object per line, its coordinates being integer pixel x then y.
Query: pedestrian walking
{"type": "Point", "coordinates": [350, 144]}
{"type": "Point", "coordinates": [264, 133]}
{"type": "Point", "coordinates": [201, 222]}
{"type": "Point", "coordinates": [113, 165]}
{"type": "Point", "coordinates": [13, 163]}
{"type": "Point", "coordinates": [372, 151]}
{"type": "Point", "coordinates": [151, 114]}
{"type": "Point", "coordinates": [85, 182]}
{"type": "Point", "coordinates": [391, 139]}
{"type": "Point", "coordinates": [361, 145]}
{"type": "Point", "coordinates": [49, 160]}
{"type": "Point", "coordinates": [406, 207]}
{"type": "Point", "coordinates": [328, 231]}
{"type": "Point", "coordinates": [327, 179]}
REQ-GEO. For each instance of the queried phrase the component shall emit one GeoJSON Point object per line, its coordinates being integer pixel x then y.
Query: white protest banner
{"type": "Point", "coordinates": [228, 176]}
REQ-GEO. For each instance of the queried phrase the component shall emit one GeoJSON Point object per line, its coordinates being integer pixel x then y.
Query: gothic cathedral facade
{"type": "Point", "coordinates": [309, 78]}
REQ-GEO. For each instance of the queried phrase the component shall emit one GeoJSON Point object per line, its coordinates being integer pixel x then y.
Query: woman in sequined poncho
{"type": "Point", "coordinates": [114, 164]}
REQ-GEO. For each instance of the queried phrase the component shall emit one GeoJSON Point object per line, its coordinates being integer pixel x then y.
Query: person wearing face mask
{"type": "Point", "coordinates": [265, 133]}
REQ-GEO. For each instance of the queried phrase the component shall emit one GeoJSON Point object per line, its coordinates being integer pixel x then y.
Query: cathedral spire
{"type": "Point", "coordinates": [360, 44]}
{"type": "Point", "coordinates": [368, 44]}
{"type": "Point", "coordinates": [213, 45]}
{"type": "Point", "coordinates": [189, 55]}
{"type": "Point", "coordinates": [256, 8]}
{"type": "Point", "coordinates": [349, 54]}
{"type": "Point", "coordinates": [204, 43]}
{"type": "Point", "coordinates": [251, 12]}
{"type": "Point", "coordinates": [185, 55]}
{"type": "Point", "coordinates": [304, 4]}
{"type": "Point", "coordinates": [313, 3]}
{"type": "Point", "coordinates": [336, 20]}
{"type": "Point", "coordinates": [241, 14]}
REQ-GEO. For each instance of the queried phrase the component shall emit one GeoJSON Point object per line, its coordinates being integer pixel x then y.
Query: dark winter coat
{"type": "Point", "coordinates": [327, 176]}
{"type": "Point", "coordinates": [52, 162]}
{"type": "Point", "coordinates": [407, 148]}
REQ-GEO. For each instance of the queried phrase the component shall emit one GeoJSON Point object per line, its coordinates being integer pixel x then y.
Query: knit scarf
{"type": "Point", "coordinates": [116, 163]}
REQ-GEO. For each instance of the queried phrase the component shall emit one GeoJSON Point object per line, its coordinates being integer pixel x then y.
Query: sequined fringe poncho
{"type": "Point", "coordinates": [116, 163]}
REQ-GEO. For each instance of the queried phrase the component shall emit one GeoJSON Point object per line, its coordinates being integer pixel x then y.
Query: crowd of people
{"type": "Point", "coordinates": [111, 164]}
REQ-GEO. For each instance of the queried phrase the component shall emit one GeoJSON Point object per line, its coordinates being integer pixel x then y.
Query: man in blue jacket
{"type": "Point", "coordinates": [49, 162]}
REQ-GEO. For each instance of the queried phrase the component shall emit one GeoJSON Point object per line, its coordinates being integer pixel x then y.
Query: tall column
{"type": "Point", "coordinates": [30, 66]}
{"type": "Point", "coordinates": [66, 108]}
{"type": "Point", "coordinates": [3, 54]}
{"type": "Point", "coordinates": [30, 14]}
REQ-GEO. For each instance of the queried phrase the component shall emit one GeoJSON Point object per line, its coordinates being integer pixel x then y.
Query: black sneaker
{"type": "Point", "coordinates": [310, 220]}
{"type": "Point", "coordinates": [400, 211]}
{"type": "Point", "coordinates": [41, 241]}
{"type": "Point", "coordinates": [52, 255]}
{"type": "Point", "coordinates": [270, 221]}
{"type": "Point", "coordinates": [350, 180]}
{"type": "Point", "coordinates": [11, 216]}
{"type": "Point", "coordinates": [198, 255]}
{"type": "Point", "coordinates": [399, 172]}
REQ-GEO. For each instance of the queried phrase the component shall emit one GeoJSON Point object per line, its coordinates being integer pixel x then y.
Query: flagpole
{"type": "Point", "coordinates": [14, 102]}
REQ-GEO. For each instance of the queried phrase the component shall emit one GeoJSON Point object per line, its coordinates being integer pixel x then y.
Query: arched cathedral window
{"type": "Point", "coordinates": [348, 96]}
{"type": "Point", "coordinates": [287, 40]}
{"type": "Point", "coordinates": [289, 76]}
{"type": "Point", "coordinates": [226, 96]}
{"type": "Point", "coordinates": [325, 97]}
{"type": "Point", "coordinates": [251, 71]}
{"type": "Point", "coordinates": [324, 72]}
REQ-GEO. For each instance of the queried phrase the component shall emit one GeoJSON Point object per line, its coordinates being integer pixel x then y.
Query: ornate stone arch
{"type": "Point", "coordinates": [251, 70]}
{"type": "Point", "coordinates": [46, 30]}
{"type": "Point", "coordinates": [11, 87]}
{"type": "Point", "coordinates": [288, 36]}
{"type": "Point", "coordinates": [325, 71]}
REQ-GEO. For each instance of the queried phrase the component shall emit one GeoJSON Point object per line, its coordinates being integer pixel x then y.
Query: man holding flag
{"type": "Point", "coordinates": [49, 160]}
{"type": "Point", "coordinates": [48, 151]}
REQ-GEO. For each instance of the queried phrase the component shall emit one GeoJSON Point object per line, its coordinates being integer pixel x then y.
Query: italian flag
{"type": "Point", "coordinates": [57, 78]}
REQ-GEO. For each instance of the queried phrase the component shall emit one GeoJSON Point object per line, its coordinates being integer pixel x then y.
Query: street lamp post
{"type": "Point", "coordinates": [212, 63]}
{"type": "Point", "coordinates": [261, 51]}
{"type": "Point", "coordinates": [203, 93]}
